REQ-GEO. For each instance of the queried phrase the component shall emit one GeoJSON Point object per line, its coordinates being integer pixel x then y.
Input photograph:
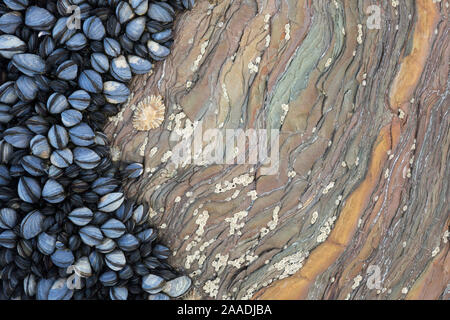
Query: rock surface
{"type": "Point", "coordinates": [358, 208]}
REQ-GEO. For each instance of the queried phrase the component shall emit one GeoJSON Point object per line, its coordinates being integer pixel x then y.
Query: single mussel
{"type": "Point", "coordinates": [8, 218]}
{"type": "Point", "coordinates": [26, 88]}
{"type": "Point", "coordinates": [38, 18]}
{"type": "Point", "coordinates": [110, 202]}
{"type": "Point", "coordinates": [161, 11]}
{"type": "Point", "coordinates": [82, 135]}
{"type": "Point", "coordinates": [100, 62]}
{"type": "Point", "coordinates": [18, 137]}
{"type": "Point", "coordinates": [77, 42]}
{"type": "Point", "coordinates": [112, 47]}
{"type": "Point", "coordinates": [79, 100]}
{"type": "Point", "coordinates": [81, 216]}
{"type": "Point", "coordinates": [115, 92]}
{"type": "Point", "coordinates": [67, 70]}
{"type": "Point", "coordinates": [62, 158]}
{"type": "Point", "coordinates": [86, 158]}
{"type": "Point", "coordinates": [93, 28]}
{"type": "Point", "coordinates": [140, 7]}
{"type": "Point", "coordinates": [29, 64]}
{"type": "Point", "coordinates": [115, 260]}
{"type": "Point", "coordinates": [31, 225]}
{"type": "Point", "coordinates": [90, 81]}
{"type": "Point", "coordinates": [91, 235]}
{"type": "Point", "coordinates": [124, 12]}
{"type": "Point", "coordinates": [157, 51]}
{"type": "Point", "coordinates": [120, 69]}
{"type": "Point", "coordinates": [71, 118]}
{"type": "Point", "coordinates": [46, 243]}
{"type": "Point", "coordinates": [135, 28]}
{"type": "Point", "coordinates": [58, 137]}
{"type": "Point", "coordinates": [53, 192]}
{"type": "Point", "coordinates": [29, 190]}
{"type": "Point", "coordinates": [113, 228]}
{"type": "Point", "coordinates": [34, 166]}
{"type": "Point", "coordinates": [10, 21]}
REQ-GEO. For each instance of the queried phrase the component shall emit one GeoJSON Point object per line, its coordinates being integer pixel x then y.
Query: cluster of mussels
{"type": "Point", "coordinates": [66, 229]}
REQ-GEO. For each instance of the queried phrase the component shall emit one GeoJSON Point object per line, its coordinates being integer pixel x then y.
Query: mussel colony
{"type": "Point", "coordinates": [66, 229]}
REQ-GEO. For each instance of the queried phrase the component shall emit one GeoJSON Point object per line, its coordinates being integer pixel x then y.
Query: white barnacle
{"type": "Point", "coordinates": [328, 187]}
{"type": "Point", "coordinates": [211, 287]}
{"type": "Point", "coordinates": [253, 195]}
{"type": "Point", "coordinates": [285, 108]}
{"type": "Point", "coordinates": [253, 67]}
{"type": "Point", "coordinates": [237, 263]}
{"type": "Point", "coordinates": [267, 40]}
{"type": "Point", "coordinates": [446, 236]}
{"type": "Point", "coordinates": [142, 147]}
{"type": "Point", "coordinates": [356, 281]}
{"type": "Point", "coordinates": [360, 34]}
{"type": "Point", "coordinates": [201, 221]}
{"type": "Point", "coordinates": [435, 251]}
{"type": "Point", "coordinates": [315, 215]}
{"type": "Point", "coordinates": [220, 261]}
{"type": "Point", "coordinates": [153, 151]}
{"type": "Point", "coordinates": [325, 230]}
{"type": "Point", "coordinates": [290, 264]}
{"type": "Point", "coordinates": [273, 223]}
{"type": "Point", "coordinates": [166, 156]}
{"type": "Point", "coordinates": [287, 31]}
{"type": "Point", "coordinates": [234, 225]}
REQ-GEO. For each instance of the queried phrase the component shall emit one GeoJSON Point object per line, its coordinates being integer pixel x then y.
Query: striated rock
{"type": "Point", "coordinates": [357, 206]}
